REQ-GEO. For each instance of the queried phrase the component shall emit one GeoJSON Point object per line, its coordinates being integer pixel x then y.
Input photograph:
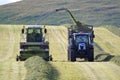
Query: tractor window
{"type": "Point", "coordinates": [34, 35]}
{"type": "Point", "coordinates": [34, 31]}
{"type": "Point", "coordinates": [81, 38]}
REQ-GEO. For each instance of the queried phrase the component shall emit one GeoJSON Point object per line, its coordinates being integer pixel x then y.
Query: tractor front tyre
{"type": "Point", "coordinates": [17, 58]}
{"type": "Point", "coordinates": [50, 58]}
{"type": "Point", "coordinates": [71, 56]}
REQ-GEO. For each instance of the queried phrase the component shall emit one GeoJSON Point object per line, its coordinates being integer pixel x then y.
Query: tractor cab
{"type": "Point", "coordinates": [34, 34]}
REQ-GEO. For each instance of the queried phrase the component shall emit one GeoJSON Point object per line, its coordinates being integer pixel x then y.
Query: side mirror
{"type": "Point", "coordinates": [23, 31]}
{"type": "Point", "coordinates": [45, 30]}
{"type": "Point", "coordinates": [93, 35]}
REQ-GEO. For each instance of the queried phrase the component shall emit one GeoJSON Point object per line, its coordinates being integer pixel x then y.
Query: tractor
{"type": "Point", "coordinates": [80, 40]}
{"type": "Point", "coordinates": [80, 46]}
{"type": "Point", "coordinates": [33, 43]}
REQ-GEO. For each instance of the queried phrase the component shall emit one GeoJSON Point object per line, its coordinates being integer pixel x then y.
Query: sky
{"type": "Point", "coordinates": [3, 2]}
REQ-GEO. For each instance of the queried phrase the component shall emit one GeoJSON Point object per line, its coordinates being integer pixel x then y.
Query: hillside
{"type": "Point", "coordinates": [95, 12]}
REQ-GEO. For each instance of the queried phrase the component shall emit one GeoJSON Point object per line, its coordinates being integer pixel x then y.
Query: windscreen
{"type": "Point", "coordinates": [81, 39]}
{"type": "Point", "coordinates": [34, 35]}
{"type": "Point", "coordinates": [30, 30]}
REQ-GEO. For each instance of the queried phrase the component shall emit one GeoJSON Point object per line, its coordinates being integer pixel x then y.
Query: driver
{"type": "Point", "coordinates": [34, 34]}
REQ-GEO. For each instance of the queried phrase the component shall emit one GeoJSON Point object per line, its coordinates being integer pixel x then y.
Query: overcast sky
{"type": "Point", "coordinates": [2, 2]}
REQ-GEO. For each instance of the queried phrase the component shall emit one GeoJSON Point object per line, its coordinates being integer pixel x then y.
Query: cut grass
{"type": "Point", "coordinates": [116, 60]}
{"type": "Point", "coordinates": [69, 71]}
{"type": "Point", "coordinates": [108, 41]}
{"type": "Point", "coordinates": [38, 69]}
{"type": "Point", "coordinates": [5, 40]}
{"type": "Point", "coordinates": [113, 29]}
{"type": "Point", "coordinates": [9, 34]}
{"type": "Point", "coordinates": [58, 42]}
{"type": "Point", "coordinates": [9, 37]}
{"type": "Point", "coordinates": [107, 46]}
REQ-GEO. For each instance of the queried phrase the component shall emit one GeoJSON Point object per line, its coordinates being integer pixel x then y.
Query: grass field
{"type": "Point", "coordinates": [95, 12]}
{"type": "Point", "coordinates": [9, 68]}
{"type": "Point", "coordinates": [78, 70]}
{"type": "Point", "coordinates": [104, 68]}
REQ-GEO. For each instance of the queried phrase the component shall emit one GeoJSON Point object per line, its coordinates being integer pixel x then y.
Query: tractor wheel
{"type": "Point", "coordinates": [86, 59]}
{"type": "Point", "coordinates": [91, 56]}
{"type": "Point", "coordinates": [17, 58]}
{"type": "Point", "coordinates": [20, 58]}
{"type": "Point", "coordinates": [50, 58]}
{"type": "Point", "coordinates": [71, 56]}
{"type": "Point", "coordinates": [68, 55]}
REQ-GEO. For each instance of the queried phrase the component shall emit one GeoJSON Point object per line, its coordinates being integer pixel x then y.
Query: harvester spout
{"type": "Point", "coordinates": [61, 9]}
{"type": "Point", "coordinates": [78, 25]}
{"type": "Point", "coordinates": [74, 20]}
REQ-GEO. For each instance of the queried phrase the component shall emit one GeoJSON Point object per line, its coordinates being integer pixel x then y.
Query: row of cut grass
{"type": "Point", "coordinates": [38, 69]}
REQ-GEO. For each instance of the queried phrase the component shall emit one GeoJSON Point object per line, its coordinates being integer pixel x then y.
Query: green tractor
{"type": "Point", "coordinates": [33, 43]}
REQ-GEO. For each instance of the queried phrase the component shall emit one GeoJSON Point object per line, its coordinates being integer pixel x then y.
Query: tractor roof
{"type": "Point", "coordinates": [34, 26]}
{"type": "Point", "coordinates": [77, 34]}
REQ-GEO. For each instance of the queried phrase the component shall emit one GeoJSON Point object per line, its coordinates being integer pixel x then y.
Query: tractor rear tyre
{"type": "Point", "coordinates": [91, 56]}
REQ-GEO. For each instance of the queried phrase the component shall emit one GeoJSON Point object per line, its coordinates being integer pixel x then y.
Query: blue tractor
{"type": "Point", "coordinates": [80, 46]}
{"type": "Point", "coordinates": [80, 40]}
